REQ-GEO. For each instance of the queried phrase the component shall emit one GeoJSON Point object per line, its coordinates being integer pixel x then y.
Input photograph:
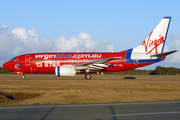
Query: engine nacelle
{"type": "Point", "coordinates": [66, 70]}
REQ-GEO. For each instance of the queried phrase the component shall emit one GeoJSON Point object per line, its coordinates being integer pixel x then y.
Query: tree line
{"type": "Point", "coordinates": [167, 71]}
{"type": "Point", "coordinates": [4, 71]}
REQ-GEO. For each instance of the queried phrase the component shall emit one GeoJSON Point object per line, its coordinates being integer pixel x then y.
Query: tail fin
{"type": "Point", "coordinates": [154, 43]}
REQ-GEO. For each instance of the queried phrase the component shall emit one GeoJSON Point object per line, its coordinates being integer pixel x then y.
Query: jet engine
{"type": "Point", "coordinates": [66, 70]}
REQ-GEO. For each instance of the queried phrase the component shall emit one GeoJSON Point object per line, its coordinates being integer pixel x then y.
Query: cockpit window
{"type": "Point", "coordinates": [15, 59]}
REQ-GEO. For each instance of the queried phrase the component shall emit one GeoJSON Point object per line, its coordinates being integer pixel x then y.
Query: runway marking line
{"type": "Point", "coordinates": [85, 105]}
{"type": "Point", "coordinates": [153, 113]}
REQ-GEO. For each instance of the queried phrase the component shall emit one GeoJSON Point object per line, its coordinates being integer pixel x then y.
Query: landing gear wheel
{"type": "Point", "coordinates": [23, 76]}
{"type": "Point", "coordinates": [88, 76]}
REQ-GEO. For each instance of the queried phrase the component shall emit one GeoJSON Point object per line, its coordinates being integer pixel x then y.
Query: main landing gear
{"type": "Point", "coordinates": [88, 76]}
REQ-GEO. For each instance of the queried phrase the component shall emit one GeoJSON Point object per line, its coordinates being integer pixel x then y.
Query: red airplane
{"type": "Point", "coordinates": [69, 64]}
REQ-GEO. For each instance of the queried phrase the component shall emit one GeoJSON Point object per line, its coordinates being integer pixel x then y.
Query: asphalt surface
{"type": "Point", "coordinates": [110, 111]}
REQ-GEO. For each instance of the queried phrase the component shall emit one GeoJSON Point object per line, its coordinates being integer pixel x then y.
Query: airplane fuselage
{"type": "Point", "coordinates": [46, 62]}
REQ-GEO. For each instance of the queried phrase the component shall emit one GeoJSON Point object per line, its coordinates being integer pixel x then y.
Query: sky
{"type": "Point", "coordinates": [28, 26]}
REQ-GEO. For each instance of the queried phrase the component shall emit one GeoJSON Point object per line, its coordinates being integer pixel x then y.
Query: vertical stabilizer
{"type": "Point", "coordinates": [154, 42]}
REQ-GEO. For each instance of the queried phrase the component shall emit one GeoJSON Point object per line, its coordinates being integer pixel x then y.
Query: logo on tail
{"type": "Point", "coordinates": [152, 44]}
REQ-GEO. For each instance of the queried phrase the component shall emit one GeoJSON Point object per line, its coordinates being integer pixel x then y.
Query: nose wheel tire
{"type": "Point", "coordinates": [88, 76]}
{"type": "Point", "coordinates": [23, 76]}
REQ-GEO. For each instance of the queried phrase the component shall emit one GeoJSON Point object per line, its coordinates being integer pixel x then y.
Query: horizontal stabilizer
{"type": "Point", "coordinates": [165, 54]}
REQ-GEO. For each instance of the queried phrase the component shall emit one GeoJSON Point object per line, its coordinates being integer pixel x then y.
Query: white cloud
{"type": "Point", "coordinates": [85, 35]}
{"type": "Point", "coordinates": [166, 48]}
{"type": "Point", "coordinates": [4, 26]}
{"type": "Point", "coordinates": [20, 33]}
{"type": "Point", "coordinates": [110, 47]}
{"type": "Point", "coordinates": [176, 43]}
{"type": "Point", "coordinates": [22, 41]}
{"type": "Point", "coordinates": [174, 40]}
{"type": "Point", "coordinates": [17, 50]}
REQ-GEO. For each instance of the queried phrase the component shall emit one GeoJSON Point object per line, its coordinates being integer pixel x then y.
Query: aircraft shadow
{"type": "Point", "coordinates": [129, 78]}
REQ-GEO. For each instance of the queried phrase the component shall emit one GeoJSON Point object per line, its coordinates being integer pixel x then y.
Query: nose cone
{"type": "Point", "coordinates": [6, 65]}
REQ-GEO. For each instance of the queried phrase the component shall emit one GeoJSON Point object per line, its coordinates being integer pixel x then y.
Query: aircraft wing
{"type": "Point", "coordinates": [94, 65]}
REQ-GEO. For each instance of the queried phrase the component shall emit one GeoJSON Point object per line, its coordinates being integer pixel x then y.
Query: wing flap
{"type": "Point", "coordinates": [95, 65]}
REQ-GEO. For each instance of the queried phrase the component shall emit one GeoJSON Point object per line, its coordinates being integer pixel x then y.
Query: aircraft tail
{"type": "Point", "coordinates": [155, 41]}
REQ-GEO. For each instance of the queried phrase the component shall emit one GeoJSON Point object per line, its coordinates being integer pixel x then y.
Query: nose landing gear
{"type": "Point", "coordinates": [23, 76]}
{"type": "Point", "coordinates": [21, 73]}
